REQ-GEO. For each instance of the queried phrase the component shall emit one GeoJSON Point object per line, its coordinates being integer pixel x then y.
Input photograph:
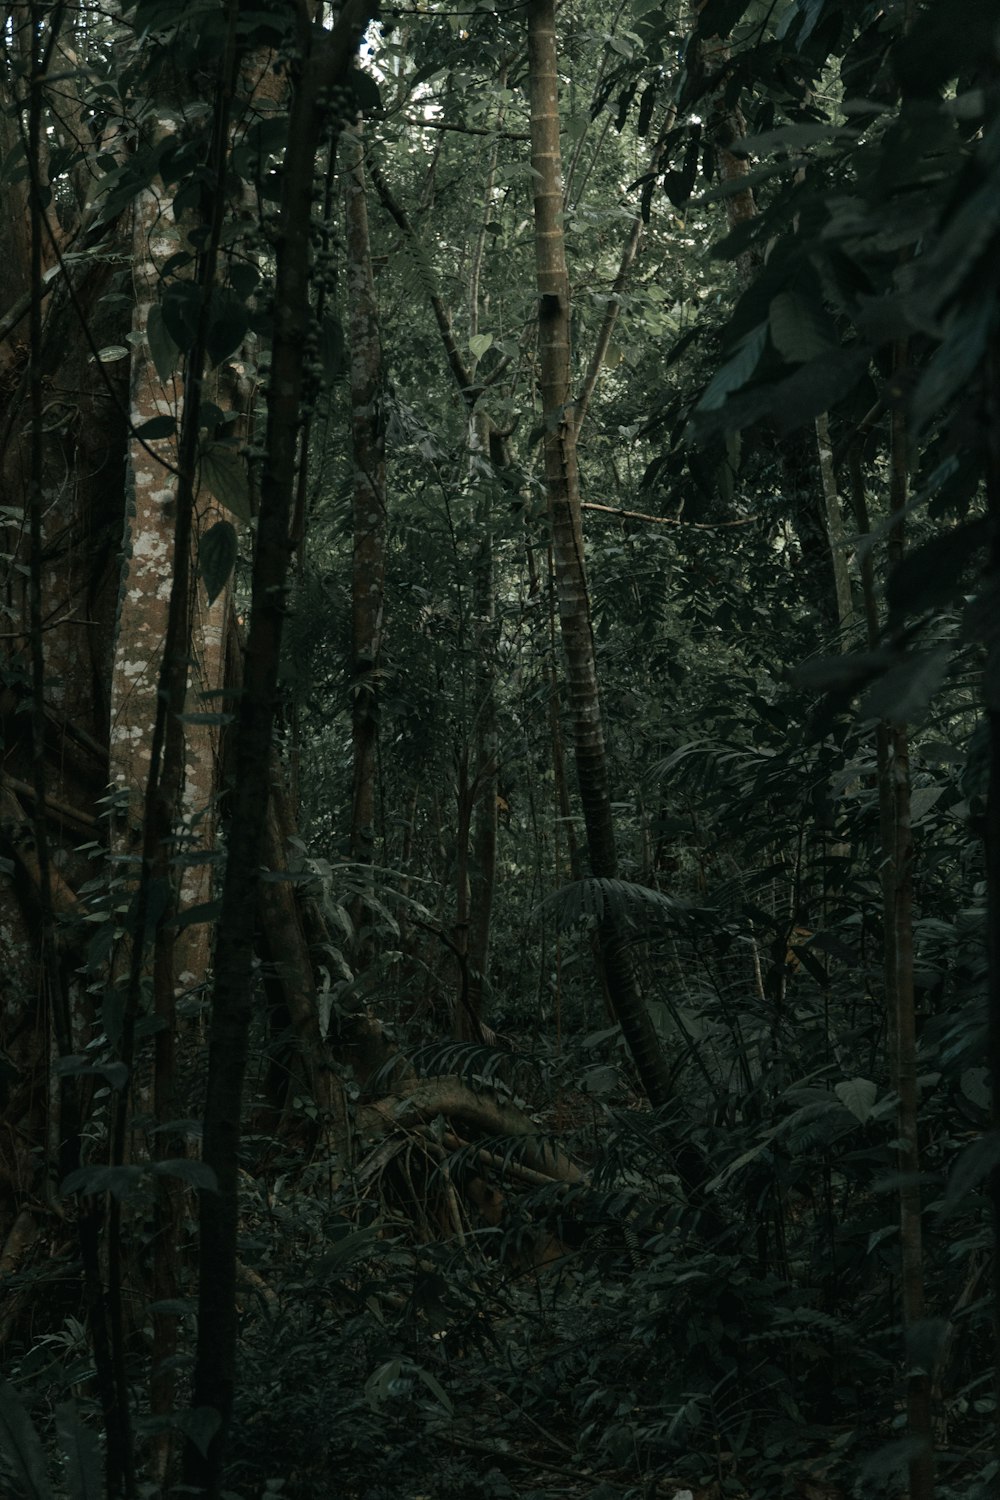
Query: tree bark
{"type": "Point", "coordinates": [368, 567]}
{"type": "Point", "coordinates": [325, 57]}
{"type": "Point", "coordinates": [562, 485]}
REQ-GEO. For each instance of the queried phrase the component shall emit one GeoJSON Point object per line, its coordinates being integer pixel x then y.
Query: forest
{"type": "Point", "coordinates": [500, 727]}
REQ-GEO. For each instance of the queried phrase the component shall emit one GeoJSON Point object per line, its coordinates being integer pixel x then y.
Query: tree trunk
{"type": "Point", "coordinates": [325, 59]}
{"type": "Point", "coordinates": [368, 569]}
{"type": "Point", "coordinates": [562, 484]}
{"type": "Point", "coordinates": [896, 840]}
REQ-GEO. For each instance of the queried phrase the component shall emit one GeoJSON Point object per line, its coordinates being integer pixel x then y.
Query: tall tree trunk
{"type": "Point", "coordinates": [992, 837]}
{"type": "Point", "coordinates": [368, 567]}
{"type": "Point", "coordinates": [325, 57]}
{"type": "Point", "coordinates": [896, 840]}
{"type": "Point", "coordinates": [898, 859]}
{"type": "Point", "coordinates": [562, 484]}
{"type": "Point", "coordinates": [834, 527]}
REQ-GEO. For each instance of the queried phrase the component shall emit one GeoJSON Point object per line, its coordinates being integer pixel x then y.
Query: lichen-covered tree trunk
{"type": "Point", "coordinates": [562, 484]}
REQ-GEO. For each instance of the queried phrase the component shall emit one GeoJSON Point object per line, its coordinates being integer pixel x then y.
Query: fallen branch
{"type": "Point", "coordinates": [420, 1103]}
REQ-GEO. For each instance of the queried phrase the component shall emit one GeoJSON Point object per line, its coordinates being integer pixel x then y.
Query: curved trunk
{"type": "Point", "coordinates": [562, 484]}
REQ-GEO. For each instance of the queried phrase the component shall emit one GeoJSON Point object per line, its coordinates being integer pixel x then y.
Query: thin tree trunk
{"type": "Point", "coordinates": [562, 484]}
{"type": "Point", "coordinates": [899, 933]}
{"type": "Point", "coordinates": [368, 567]}
{"type": "Point", "coordinates": [325, 57]}
{"type": "Point", "coordinates": [896, 840]}
{"type": "Point", "coordinates": [992, 838]}
{"type": "Point", "coordinates": [834, 525]}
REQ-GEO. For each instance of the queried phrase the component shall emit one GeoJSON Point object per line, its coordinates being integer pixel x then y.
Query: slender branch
{"type": "Point", "coordinates": [499, 135]}
{"type": "Point", "coordinates": [639, 515]}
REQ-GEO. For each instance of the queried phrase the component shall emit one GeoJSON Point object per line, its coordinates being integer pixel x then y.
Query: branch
{"type": "Point", "coordinates": [638, 515]}
{"type": "Point", "coordinates": [613, 306]}
{"type": "Point", "coordinates": [468, 389]}
{"type": "Point", "coordinates": [500, 135]}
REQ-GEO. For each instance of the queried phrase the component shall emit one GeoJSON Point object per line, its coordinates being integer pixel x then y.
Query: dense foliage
{"type": "Point", "coordinates": [483, 1244]}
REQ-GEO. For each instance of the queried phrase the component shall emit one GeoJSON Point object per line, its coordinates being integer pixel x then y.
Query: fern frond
{"type": "Point", "coordinates": [626, 902]}
{"type": "Point", "coordinates": [472, 1063]}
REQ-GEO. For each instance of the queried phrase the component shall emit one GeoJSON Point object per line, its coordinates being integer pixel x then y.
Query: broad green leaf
{"type": "Point", "coordinates": [162, 346]}
{"type": "Point", "coordinates": [902, 696]}
{"type": "Point", "coordinates": [858, 1095]}
{"type": "Point", "coordinates": [718, 17]}
{"type": "Point", "coordinates": [224, 473]}
{"type": "Point", "coordinates": [736, 371]}
{"type": "Point", "coordinates": [922, 799]}
{"type": "Point", "coordinates": [118, 1181]}
{"type": "Point", "coordinates": [976, 1086]}
{"type": "Point", "coordinates": [366, 92]}
{"type": "Point", "coordinates": [156, 427]}
{"type": "Point", "coordinates": [952, 366]}
{"type": "Point", "coordinates": [847, 673]}
{"type": "Point", "coordinates": [196, 1174]}
{"type": "Point", "coordinates": [180, 307]}
{"type": "Point", "coordinates": [479, 343]}
{"type": "Point", "coordinates": [793, 138]}
{"type": "Point", "coordinates": [931, 575]}
{"type": "Point", "coordinates": [976, 1162]}
{"type": "Point", "coordinates": [434, 1386]}
{"type": "Point", "coordinates": [228, 326]}
{"type": "Point", "coordinates": [21, 1448]}
{"type": "Point", "coordinates": [199, 1425]}
{"type": "Point", "coordinates": [217, 553]}
{"type": "Point", "coordinates": [83, 1453]}
{"type": "Point", "coordinates": [800, 330]}
{"type": "Point", "coordinates": [332, 348]}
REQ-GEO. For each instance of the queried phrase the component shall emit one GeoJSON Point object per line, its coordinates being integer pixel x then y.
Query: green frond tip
{"type": "Point", "coordinates": [626, 902]}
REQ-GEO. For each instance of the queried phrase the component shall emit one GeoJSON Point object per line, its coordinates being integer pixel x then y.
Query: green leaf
{"type": "Point", "coordinates": [815, 387]}
{"type": "Point", "coordinates": [83, 1453]}
{"type": "Point", "coordinates": [479, 343]}
{"type": "Point", "coordinates": [197, 1174]}
{"type": "Point", "coordinates": [120, 1182]}
{"type": "Point", "coordinates": [180, 307]}
{"type": "Point", "coordinates": [736, 371]}
{"type": "Point", "coordinates": [858, 1095]}
{"type": "Point", "coordinates": [366, 92]}
{"type": "Point", "coordinates": [199, 1425]}
{"type": "Point", "coordinates": [792, 137]}
{"type": "Point", "coordinates": [224, 473]}
{"type": "Point", "coordinates": [162, 347]}
{"type": "Point", "coordinates": [332, 348]}
{"type": "Point", "coordinates": [156, 427]}
{"type": "Point", "coordinates": [975, 1083]}
{"type": "Point", "coordinates": [434, 1386]}
{"type": "Point", "coordinates": [718, 17]}
{"type": "Point", "coordinates": [976, 1162]}
{"type": "Point", "coordinates": [904, 693]}
{"type": "Point", "coordinates": [847, 673]}
{"type": "Point", "coordinates": [228, 326]}
{"type": "Point", "coordinates": [953, 365]}
{"type": "Point", "coordinates": [931, 574]}
{"type": "Point", "coordinates": [217, 553]}
{"type": "Point", "coordinates": [800, 330]}
{"type": "Point", "coordinates": [20, 1447]}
